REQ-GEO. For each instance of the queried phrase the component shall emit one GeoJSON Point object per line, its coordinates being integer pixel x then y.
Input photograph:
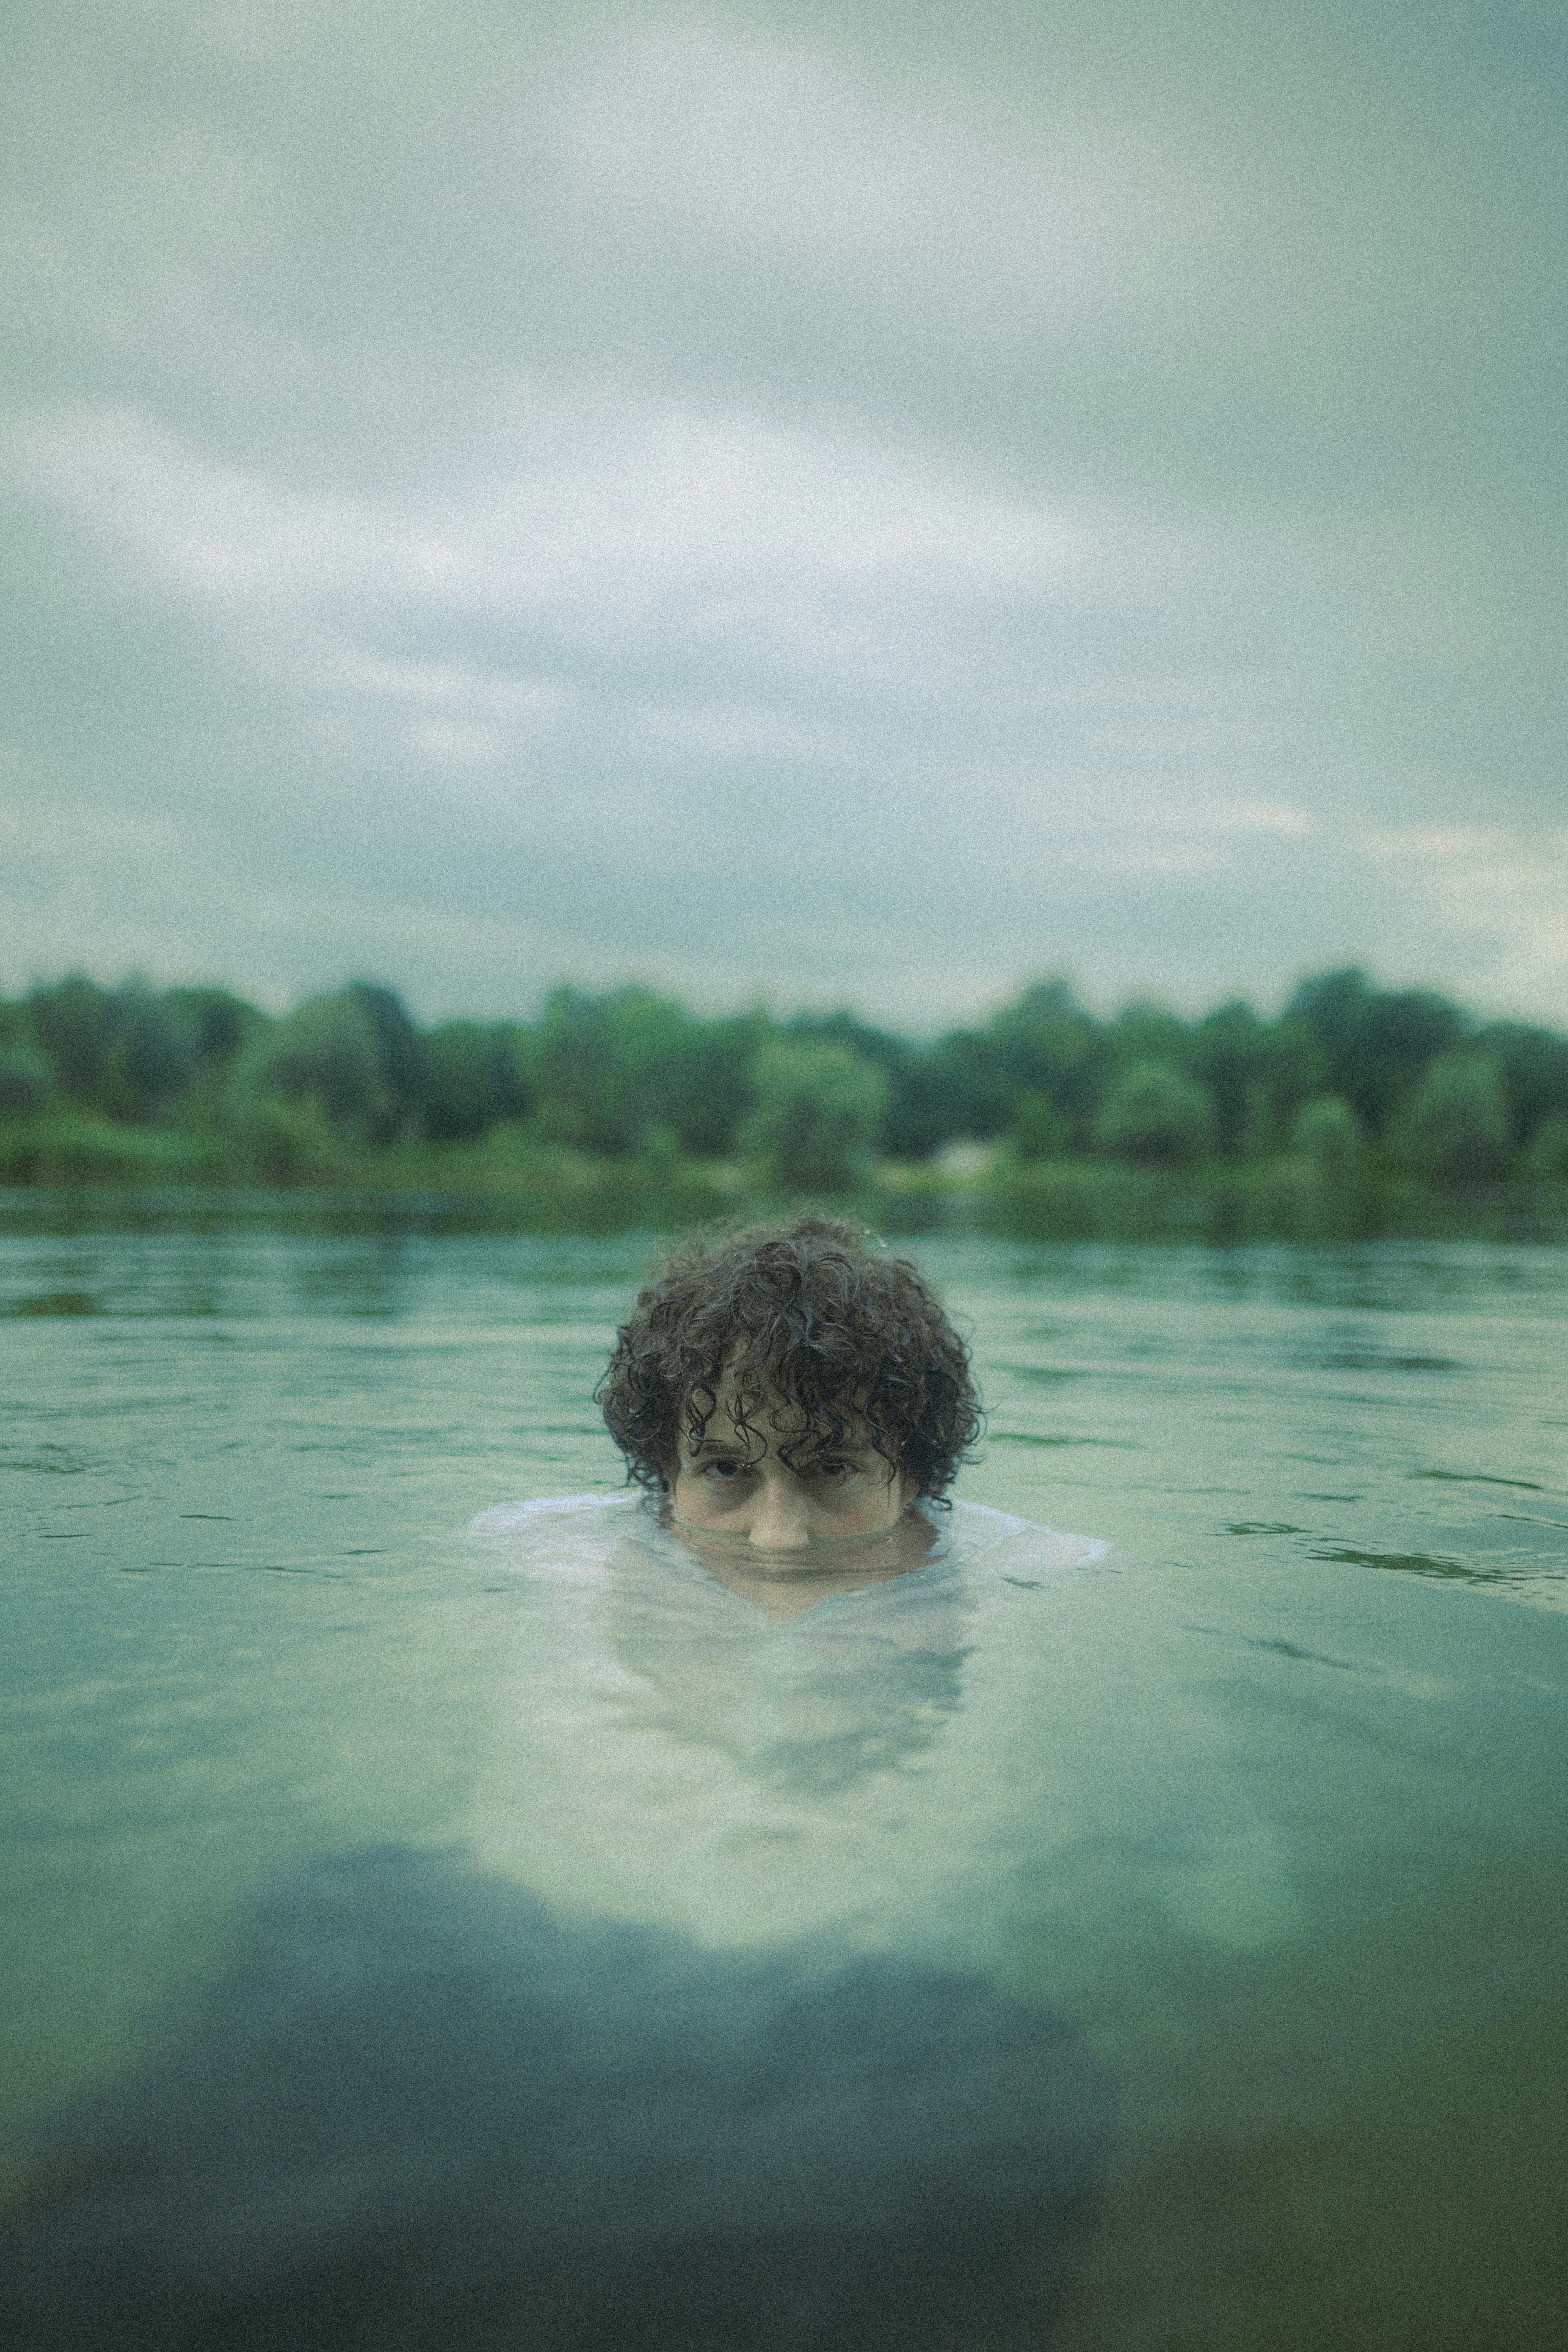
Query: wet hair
{"type": "Point", "coordinates": [808, 1320]}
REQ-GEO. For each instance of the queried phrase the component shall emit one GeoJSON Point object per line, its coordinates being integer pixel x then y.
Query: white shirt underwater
{"type": "Point", "coordinates": [892, 1767]}
{"type": "Point", "coordinates": [675, 1757]}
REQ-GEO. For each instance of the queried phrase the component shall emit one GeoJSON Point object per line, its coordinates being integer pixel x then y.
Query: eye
{"type": "Point", "coordinates": [835, 1471]}
{"type": "Point", "coordinates": [722, 1469]}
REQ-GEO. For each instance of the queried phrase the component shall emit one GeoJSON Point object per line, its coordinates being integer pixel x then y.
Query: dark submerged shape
{"type": "Point", "coordinates": [808, 1315]}
{"type": "Point", "coordinates": [420, 2113]}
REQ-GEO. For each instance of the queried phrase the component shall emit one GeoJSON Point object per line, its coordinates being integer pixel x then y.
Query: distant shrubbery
{"type": "Point", "coordinates": [1350, 1084]}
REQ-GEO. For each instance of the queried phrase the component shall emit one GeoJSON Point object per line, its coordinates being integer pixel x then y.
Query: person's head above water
{"type": "Point", "coordinates": [790, 1384]}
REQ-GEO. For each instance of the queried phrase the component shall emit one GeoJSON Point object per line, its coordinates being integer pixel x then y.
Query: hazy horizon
{"type": "Point", "coordinates": [770, 1002]}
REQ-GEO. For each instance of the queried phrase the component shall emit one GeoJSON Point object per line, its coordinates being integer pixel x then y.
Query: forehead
{"type": "Point", "coordinates": [770, 1422]}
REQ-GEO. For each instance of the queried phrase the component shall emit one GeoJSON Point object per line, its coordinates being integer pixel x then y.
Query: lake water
{"type": "Point", "coordinates": [1265, 1810]}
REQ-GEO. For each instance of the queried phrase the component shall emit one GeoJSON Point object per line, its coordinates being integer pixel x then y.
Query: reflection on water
{"type": "Point", "coordinates": [415, 2110]}
{"type": "Point", "coordinates": [809, 1710]}
{"type": "Point", "coordinates": [1271, 1804]}
{"type": "Point", "coordinates": [1419, 1563]}
{"type": "Point", "coordinates": [859, 1683]}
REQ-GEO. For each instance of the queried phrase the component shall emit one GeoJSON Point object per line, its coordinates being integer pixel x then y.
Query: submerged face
{"type": "Point", "coordinates": [736, 1483]}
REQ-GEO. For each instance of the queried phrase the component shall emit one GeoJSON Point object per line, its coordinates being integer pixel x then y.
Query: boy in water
{"type": "Point", "coordinates": [722, 1681]}
{"type": "Point", "coordinates": [799, 1404]}
{"type": "Point", "coordinates": [794, 1390]}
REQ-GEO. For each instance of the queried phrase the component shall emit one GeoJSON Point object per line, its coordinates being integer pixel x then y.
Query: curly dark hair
{"type": "Point", "coordinates": [807, 1313]}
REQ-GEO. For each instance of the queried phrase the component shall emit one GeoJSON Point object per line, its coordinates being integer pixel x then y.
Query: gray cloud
{"type": "Point", "coordinates": [786, 501]}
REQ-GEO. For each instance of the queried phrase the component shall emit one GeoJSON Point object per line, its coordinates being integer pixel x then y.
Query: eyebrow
{"type": "Point", "coordinates": [734, 1448]}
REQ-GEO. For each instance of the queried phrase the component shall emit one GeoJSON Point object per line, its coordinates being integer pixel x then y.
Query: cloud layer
{"type": "Point", "coordinates": [770, 501]}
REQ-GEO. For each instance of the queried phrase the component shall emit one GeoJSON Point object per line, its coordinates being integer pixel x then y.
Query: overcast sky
{"type": "Point", "coordinates": [849, 503]}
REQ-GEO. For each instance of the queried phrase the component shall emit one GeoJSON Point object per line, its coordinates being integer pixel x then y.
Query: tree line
{"type": "Point", "coordinates": [1350, 1076]}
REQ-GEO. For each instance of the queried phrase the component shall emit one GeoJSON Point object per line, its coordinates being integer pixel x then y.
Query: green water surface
{"type": "Point", "coordinates": [1290, 1765]}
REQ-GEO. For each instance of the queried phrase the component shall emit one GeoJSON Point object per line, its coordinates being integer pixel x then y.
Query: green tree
{"type": "Point", "coordinates": [1155, 1114]}
{"type": "Point", "coordinates": [819, 1109]}
{"type": "Point", "coordinates": [470, 1080]}
{"type": "Point", "coordinates": [1040, 1127]}
{"type": "Point", "coordinates": [127, 1051]}
{"type": "Point", "coordinates": [1259, 1075]}
{"type": "Point", "coordinates": [705, 1089]}
{"type": "Point", "coordinates": [328, 1052]}
{"type": "Point", "coordinates": [1226, 1052]}
{"type": "Point", "coordinates": [73, 1022]}
{"type": "Point", "coordinates": [1375, 1043]}
{"type": "Point", "coordinates": [151, 1053]}
{"type": "Point", "coordinates": [224, 1029]}
{"type": "Point", "coordinates": [220, 1022]}
{"type": "Point", "coordinates": [1046, 1045]}
{"type": "Point", "coordinates": [27, 1081]}
{"type": "Point", "coordinates": [885, 1052]}
{"type": "Point", "coordinates": [1292, 1071]}
{"type": "Point", "coordinates": [1547, 1160]}
{"type": "Point", "coordinates": [1535, 1066]}
{"type": "Point", "coordinates": [293, 1141]}
{"type": "Point", "coordinates": [1455, 1129]}
{"type": "Point", "coordinates": [1327, 1135]}
{"type": "Point", "coordinates": [955, 1087]}
{"type": "Point", "coordinates": [400, 1048]}
{"type": "Point", "coordinates": [600, 1066]}
{"type": "Point", "coordinates": [1143, 1032]}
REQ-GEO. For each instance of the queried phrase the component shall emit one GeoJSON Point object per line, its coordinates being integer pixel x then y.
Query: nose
{"type": "Point", "coordinates": [779, 1519]}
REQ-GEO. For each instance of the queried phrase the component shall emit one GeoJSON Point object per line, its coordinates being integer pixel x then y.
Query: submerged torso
{"type": "Point", "coordinates": [679, 1754]}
